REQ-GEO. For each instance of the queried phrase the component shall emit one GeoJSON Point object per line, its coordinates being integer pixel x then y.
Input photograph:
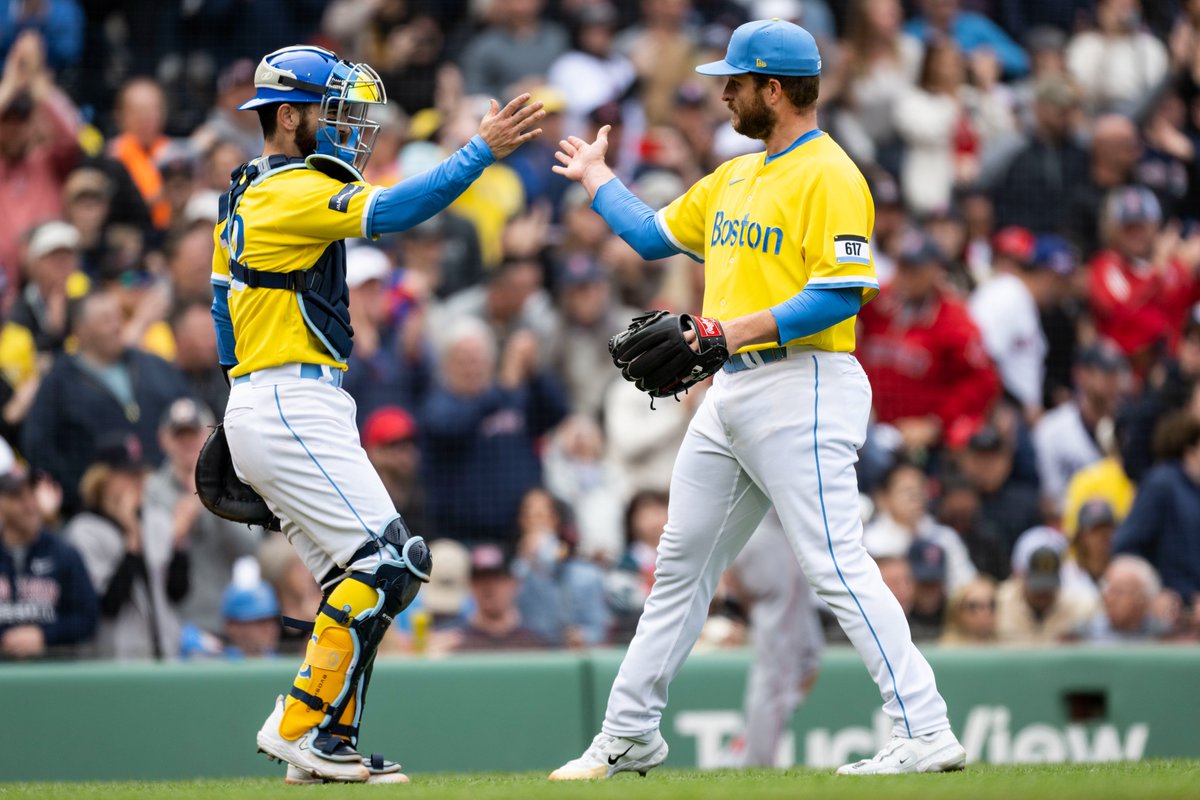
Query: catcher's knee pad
{"type": "Point", "coordinates": [350, 625]}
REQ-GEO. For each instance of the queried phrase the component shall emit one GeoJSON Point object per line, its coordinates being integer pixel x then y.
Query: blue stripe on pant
{"type": "Point", "coordinates": [829, 541]}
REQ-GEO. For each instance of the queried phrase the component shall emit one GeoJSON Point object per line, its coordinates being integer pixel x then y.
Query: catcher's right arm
{"type": "Point", "coordinates": [222, 492]}
{"type": "Point", "coordinates": [654, 353]}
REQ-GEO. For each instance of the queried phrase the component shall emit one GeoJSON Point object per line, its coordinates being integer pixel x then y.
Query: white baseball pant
{"type": "Point", "coordinates": [295, 441]}
{"type": "Point", "coordinates": [784, 434]}
{"type": "Point", "coordinates": [787, 637]}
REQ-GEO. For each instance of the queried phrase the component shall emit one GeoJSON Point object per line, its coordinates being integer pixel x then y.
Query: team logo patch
{"type": "Point", "coordinates": [708, 327]}
{"type": "Point", "coordinates": [341, 200]}
{"type": "Point", "coordinates": [852, 250]}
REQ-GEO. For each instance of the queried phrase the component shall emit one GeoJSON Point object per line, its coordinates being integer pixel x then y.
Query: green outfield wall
{"type": "Point", "coordinates": [100, 721]}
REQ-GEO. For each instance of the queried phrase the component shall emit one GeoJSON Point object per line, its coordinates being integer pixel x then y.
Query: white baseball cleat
{"type": "Point", "coordinates": [379, 768]}
{"type": "Point", "coordinates": [343, 764]}
{"type": "Point", "coordinates": [935, 752]}
{"type": "Point", "coordinates": [608, 755]}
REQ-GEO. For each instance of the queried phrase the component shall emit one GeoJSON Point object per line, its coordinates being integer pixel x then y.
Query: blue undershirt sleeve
{"type": "Point", "coordinates": [813, 310]}
{"type": "Point", "coordinates": [416, 199]}
{"type": "Point", "coordinates": [223, 324]}
{"type": "Point", "coordinates": [632, 220]}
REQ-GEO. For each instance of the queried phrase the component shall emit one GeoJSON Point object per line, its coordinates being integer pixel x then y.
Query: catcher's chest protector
{"type": "Point", "coordinates": [321, 290]}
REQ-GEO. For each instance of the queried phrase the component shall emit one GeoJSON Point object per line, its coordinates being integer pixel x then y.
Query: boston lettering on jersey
{"type": "Point", "coordinates": [745, 233]}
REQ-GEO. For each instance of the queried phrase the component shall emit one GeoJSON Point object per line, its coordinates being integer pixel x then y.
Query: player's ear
{"type": "Point", "coordinates": [287, 117]}
{"type": "Point", "coordinates": [774, 89]}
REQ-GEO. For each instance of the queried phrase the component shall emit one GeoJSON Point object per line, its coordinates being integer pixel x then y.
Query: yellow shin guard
{"type": "Point", "coordinates": [333, 652]}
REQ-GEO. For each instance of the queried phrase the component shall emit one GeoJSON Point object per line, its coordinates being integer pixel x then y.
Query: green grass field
{"type": "Point", "coordinates": [1159, 779]}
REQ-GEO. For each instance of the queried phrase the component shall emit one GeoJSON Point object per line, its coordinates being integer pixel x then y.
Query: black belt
{"type": "Point", "coordinates": [296, 280]}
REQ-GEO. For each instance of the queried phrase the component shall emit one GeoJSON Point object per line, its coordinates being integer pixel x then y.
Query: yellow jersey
{"type": "Point", "coordinates": [284, 224]}
{"type": "Point", "coordinates": [768, 226]}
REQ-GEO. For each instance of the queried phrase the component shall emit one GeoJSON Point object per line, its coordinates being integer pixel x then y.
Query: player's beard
{"type": "Point", "coordinates": [306, 136]}
{"type": "Point", "coordinates": [756, 120]}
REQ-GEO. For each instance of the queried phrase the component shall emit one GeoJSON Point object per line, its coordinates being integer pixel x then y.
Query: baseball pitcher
{"type": "Point", "coordinates": [785, 239]}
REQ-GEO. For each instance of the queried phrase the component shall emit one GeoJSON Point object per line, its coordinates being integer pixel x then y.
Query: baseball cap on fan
{"type": "Point", "coordinates": [770, 47]}
{"type": "Point", "coordinates": [366, 263]}
{"type": "Point", "coordinates": [52, 236]}
{"type": "Point", "coordinates": [1130, 205]}
{"type": "Point", "coordinates": [1055, 254]}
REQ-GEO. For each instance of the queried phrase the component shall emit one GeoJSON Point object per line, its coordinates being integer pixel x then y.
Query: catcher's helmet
{"type": "Point", "coordinates": [344, 90]}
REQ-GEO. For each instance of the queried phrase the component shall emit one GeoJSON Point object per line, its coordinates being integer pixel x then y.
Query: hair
{"type": "Point", "coordinates": [933, 49]}
{"type": "Point", "coordinates": [898, 466]}
{"type": "Point", "coordinates": [1175, 435]}
{"type": "Point", "coordinates": [640, 499]}
{"type": "Point", "coordinates": [858, 37]}
{"type": "Point", "coordinates": [93, 485]}
{"type": "Point", "coordinates": [268, 118]}
{"type": "Point", "coordinates": [1147, 575]}
{"type": "Point", "coordinates": [83, 305]}
{"type": "Point", "coordinates": [137, 80]}
{"type": "Point", "coordinates": [468, 328]}
{"type": "Point", "coordinates": [954, 633]}
{"type": "Point", "coordinates": [800, 90]}
{"type": "Point", "coordinates": [185, 307]}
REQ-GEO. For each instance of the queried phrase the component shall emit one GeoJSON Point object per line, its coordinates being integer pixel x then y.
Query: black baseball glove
{"type": "Point", "coordinates": [653, 354]}
{"type": "Point", "coordinates": [222, 492]}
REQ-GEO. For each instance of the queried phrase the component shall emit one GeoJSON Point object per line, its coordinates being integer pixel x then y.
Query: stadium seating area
{"type": "Point", "coordinates": [1032, 474]}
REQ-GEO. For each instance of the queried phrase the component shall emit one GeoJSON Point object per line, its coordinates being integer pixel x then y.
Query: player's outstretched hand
{"type": "Point", "coordinates": [504, 129]}
{"type": "Point", "coordinates": [584, 162]}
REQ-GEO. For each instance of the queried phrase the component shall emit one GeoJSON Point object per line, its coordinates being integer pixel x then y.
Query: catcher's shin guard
{"type": "Point", "coordinates": [327, 692]}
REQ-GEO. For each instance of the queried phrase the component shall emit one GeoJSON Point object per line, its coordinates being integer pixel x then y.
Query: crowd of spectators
{"type": "Point", "coordinates": [1032, 473]}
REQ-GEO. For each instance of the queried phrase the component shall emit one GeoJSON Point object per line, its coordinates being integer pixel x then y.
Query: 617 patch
{"type": "Point", "coordinates": [852, 249]}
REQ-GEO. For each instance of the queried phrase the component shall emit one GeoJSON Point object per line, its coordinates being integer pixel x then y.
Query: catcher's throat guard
{"type": "Point", "coordinates": [654, 354]}
{"type": "Point", "coordinates": [222, 492]}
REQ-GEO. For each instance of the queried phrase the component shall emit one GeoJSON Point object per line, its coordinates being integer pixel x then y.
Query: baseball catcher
{"type": "Point", "coordinates": [288, 448]}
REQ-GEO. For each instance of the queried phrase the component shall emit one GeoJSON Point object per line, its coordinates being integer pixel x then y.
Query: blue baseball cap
{"type": "Point", "coordinates": [1055, 254]}
{"type": "Point", "coordinates": [770, 47]}
{"type": "Point", "coordinates": [249, 603]}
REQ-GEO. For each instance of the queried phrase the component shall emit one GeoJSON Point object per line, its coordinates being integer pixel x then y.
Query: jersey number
{"type": "Point", "coordinates": [235, 238]}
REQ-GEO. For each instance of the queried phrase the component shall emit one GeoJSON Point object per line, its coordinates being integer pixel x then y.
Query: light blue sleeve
{"type": "Point", "coordinates": [632, 220]}
{"type": "Point", "coordinates": [416, 199]}
{"type": "Point", "coordinates": [813, 310]}
{"type": "Point", "coordinates": [223, 324]}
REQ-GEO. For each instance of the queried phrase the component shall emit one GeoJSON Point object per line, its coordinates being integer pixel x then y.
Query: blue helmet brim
{"type": "Point", "coordinates": [264, 96]}
{"type": "Point", "coordinates": [721, 67]}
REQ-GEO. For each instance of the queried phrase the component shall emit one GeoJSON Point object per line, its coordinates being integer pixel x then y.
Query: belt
{"type": "Point", "coordinates": [753, 359]}
{"type": "Point", "coordinates": [285, 372]}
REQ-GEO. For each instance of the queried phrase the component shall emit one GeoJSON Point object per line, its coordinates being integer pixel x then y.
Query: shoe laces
{"type": "Point", "coordinates": [894, 744]}
{"type": "Point", "coordinates": [596, 748]}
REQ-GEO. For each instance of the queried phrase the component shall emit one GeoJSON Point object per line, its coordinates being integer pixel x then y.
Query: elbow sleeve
{"type": "Point", "coordinates": [813, 310]}
{"type": "Point", "coordinates": [632, 220]}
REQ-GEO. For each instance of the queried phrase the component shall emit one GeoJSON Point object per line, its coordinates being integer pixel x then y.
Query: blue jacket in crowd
{"type": "Point", "coordinates": [972, 31]}
{"type": "Point", "coordinates": [1163, 527]}
{"type": "Point", "coordinates": [49, 588]}
{"type": "Point", "coordinates": [480, 459]}
{"type": "Point", "coordinates": [73, 409]}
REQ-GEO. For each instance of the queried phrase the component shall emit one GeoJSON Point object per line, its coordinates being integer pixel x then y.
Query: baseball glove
{"type": "Point", "coordinates": [653, 354]}
{"type": "Point", "coordinates": [222, 492]}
